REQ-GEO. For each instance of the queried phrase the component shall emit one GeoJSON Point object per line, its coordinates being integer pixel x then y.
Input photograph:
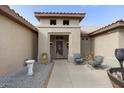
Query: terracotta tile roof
{"type": "Point", "coordinates": [59, 13]}
{"type": "Point", "coordinates": [39, 15]}
{"type": "Point", "coordinates": [10, 13]}
{"type": "Point", "coordinates": [114, 25]}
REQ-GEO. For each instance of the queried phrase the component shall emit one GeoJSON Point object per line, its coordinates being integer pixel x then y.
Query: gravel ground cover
{"type": "Point", "coordinates": [20, 79]}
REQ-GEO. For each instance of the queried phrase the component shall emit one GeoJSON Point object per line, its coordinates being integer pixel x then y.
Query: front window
{"type": "Point", "coordinates": [86, 38]}
{"type": "Point", "coordinates": [52, 22]}
{"type": "Point", "coordinates": [65, 22]}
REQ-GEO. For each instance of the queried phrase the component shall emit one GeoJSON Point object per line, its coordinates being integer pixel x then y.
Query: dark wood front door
{"type": "Point", "coordinates": [59, 49]}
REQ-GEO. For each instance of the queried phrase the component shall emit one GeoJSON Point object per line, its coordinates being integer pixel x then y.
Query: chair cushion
{"type": "Point", "coordinates": [77, 56]}
{"type": "Point", "coordinates": [79, 60]}
{"type": "Point", "coordinates": [98, 60]}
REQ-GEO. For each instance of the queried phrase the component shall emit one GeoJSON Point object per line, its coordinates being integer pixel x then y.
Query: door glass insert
{"type": "Point", "coordinates": [59, 48]}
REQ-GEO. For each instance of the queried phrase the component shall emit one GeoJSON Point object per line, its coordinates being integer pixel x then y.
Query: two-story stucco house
{"type": "Point", "coordinates": [60, 36]}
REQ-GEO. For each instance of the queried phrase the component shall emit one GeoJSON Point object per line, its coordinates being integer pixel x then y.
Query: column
{"type": "Point", "coordinates": [70, 55]}
{"type": "Point", "coordinates": [48, 48]}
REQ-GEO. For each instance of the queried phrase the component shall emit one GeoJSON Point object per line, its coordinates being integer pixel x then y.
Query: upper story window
{"type": "Point", "coordinates": [82, 38]}
{"type": "Point", "coordinates": [65, 22]}
{"type": "Point", "coordinates": [86, 38]}
{"type": "Point", "coordinates": [52, 22]}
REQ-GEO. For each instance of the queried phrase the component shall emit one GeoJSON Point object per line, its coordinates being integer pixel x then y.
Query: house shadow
{"type": "Point", "coordinates": [102, 67]}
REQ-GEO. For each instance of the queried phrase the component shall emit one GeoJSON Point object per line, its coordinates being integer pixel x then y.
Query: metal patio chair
{"type": "Point", "coordinates": [78, 59]}
{"type": "Point", "coordinates": [97, 62]}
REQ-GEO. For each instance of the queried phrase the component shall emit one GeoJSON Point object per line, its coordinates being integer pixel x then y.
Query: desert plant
{"type": "Point", "coordinates": [89, 57]}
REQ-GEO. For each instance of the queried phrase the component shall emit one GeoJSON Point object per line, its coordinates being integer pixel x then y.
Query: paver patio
{"type": "Point", "coordinates": [69, 75]}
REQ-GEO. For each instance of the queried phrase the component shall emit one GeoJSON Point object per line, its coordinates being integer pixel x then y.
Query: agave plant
{"type": "Point", "coordinates": [119, 54]}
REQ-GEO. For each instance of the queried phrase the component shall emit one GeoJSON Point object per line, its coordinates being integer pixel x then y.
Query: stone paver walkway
{"type": "Point", "coordinates": [69, 75]}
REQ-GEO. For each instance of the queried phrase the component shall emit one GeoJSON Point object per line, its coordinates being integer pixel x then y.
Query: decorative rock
{"type": "Point", "coordinates": [19, 79]}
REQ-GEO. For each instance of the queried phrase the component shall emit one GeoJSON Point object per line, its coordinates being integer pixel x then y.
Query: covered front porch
{"type": "Point", "coordinates": [59, 45]}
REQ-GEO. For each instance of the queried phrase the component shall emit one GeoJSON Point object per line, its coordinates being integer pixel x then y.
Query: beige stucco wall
{"type": "Point", "coordinates": [85, 46]}
{"type": "Point", "coordinates": [17, 43]}
{"type": "Point", "coordinates": [121, 38]}
{"type": "Point", "coordinates": [105, 46]}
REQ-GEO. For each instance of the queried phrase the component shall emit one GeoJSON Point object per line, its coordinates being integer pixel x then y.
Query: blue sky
{"type": "Point", "coordinates": [95, 15]}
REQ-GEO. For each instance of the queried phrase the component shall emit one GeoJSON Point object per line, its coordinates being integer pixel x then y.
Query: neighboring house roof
{"type": "Point", "coordinates": [119, 23]}
{"type": "Point", "coordinates": [88, 29]}
{"type": "Point", "coordinates": [6, 11]}
{"type": "Point", "coordinates": [39, 15]}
